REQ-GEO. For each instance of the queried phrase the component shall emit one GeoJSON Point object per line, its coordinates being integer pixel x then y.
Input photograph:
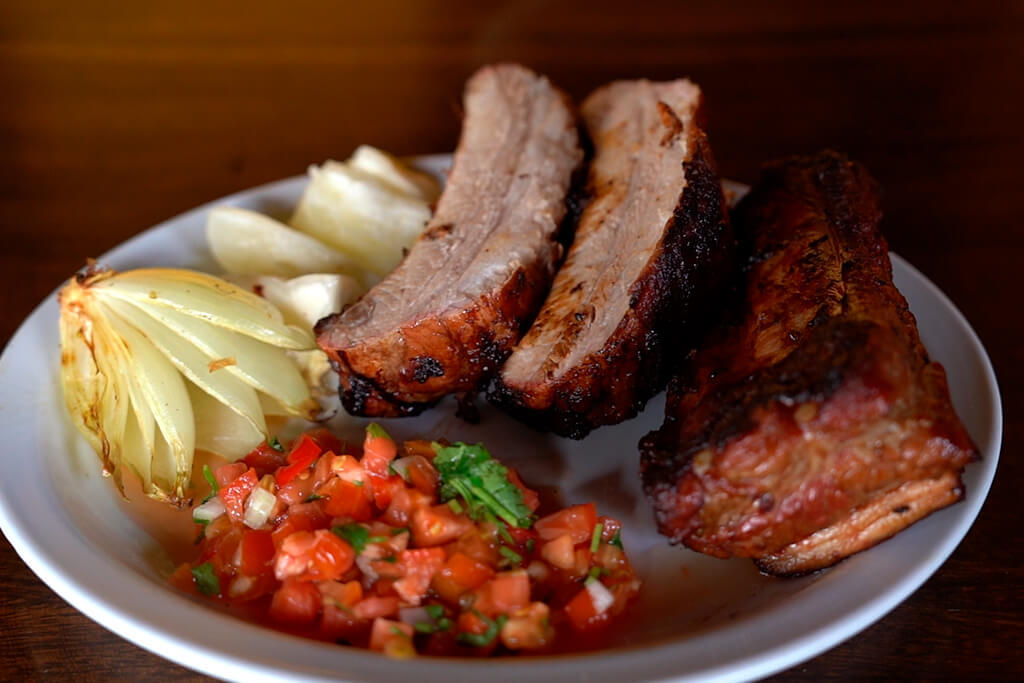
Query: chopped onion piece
{"type": "Point", "coordinates": [366, 567]}
{"type": "Point", "coordinates": [258, 507]}
{"type": "Point", "coordinates": [401, 465]}
{"type": "Point", "coordinates": [600, 596]}
{"type": "Point", "coordinates": [208, 511]}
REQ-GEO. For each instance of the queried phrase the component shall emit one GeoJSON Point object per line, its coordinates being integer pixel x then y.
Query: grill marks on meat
{"type": "Point", "coordinates": [652, 248]}
{"type": "Point", "coordinates": [447, 317]}
{"type": "Point", "coordinates": [814, 426]}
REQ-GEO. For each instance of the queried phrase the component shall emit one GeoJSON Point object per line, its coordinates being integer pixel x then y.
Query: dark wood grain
{"type": "Point", "coordinates": [114, 117]}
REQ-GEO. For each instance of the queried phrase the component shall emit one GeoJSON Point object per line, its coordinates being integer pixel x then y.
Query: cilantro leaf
{"type": "Point", "coordinates": [356, 535]}
{"type": "Point", "coordinates": [275, 444]}
{"type": "Point", "coordinates": [206, 579]}
{"type": "Point", "coordinates": [469, 471]}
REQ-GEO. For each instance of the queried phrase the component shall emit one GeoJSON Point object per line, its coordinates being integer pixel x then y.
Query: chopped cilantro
{"type": "Point", "coordinates": [401, 530]}
{"type": "Point", "coordinates": [377, 539]}
{"type": "Point", "coordinates": [275, 444]}
{"type": "Point", "coordinates": [395, 631]}
{"type": "Point", "coordinates": [391, 558]}
{"type": "Point", "coordinates": [434, 611]}
{"type": "Point", "coordinates": [487, 637]}
{"type": "Point", "coordinates": [212, 480]}
{"type": "Point", "coordinates": [503, 532]}
{"type": "Point", "coordinates": [482, 482]}
{"type": "Point", "coordinates": [356, 535]}
{"type": "Point", "coordinates": [455, 506]}
{"type": "Point", "coordinates": [376, 431]}
{"type": "Point", "coordinates": [510, 555]}
{"type": "Point", "coordinates": [530, 543]}
{"type": "Point", "coordinates": [424, 627]}
{"type": "Point", "coordinates": [595, 573]}
{"type": "Point", "coordinates": [206, 579]}
{"type": "Point", "coordinates": [616, 541]}
{"type": "Point", "coordinates": [595, 538]}
{"type": "Point", "coordinates": [358, 482]}
{"type": "Point", "coordinates": [313, 496]}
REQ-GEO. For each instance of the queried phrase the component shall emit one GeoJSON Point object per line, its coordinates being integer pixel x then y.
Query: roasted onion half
{"type": "Point", "coordinates": [158, 362]}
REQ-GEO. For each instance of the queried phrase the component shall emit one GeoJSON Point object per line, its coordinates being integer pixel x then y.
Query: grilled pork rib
{"type": "Point", "coordinates": [815, 425]}
{"type": "Point", "coordinates": [651, 250]}
{"type": "Point", "coordinates": [447, 317]}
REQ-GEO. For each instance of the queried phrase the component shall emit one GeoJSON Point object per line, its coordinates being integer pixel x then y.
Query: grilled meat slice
{"type": "Point", "coordinates": [814, 426]}
{"type": "Point", "coordinates": [652, 249]}
{"type": "Point", "coordinates": [447, 317]}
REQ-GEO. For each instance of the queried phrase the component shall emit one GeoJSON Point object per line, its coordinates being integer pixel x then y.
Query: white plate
{"type": "Point", "coordinates": [698, 618]}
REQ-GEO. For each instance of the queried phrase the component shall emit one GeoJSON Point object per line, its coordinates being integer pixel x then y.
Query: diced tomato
{"type": "Point", "coordinates": [295, 602]}
{"type": "Point", "coordinates": [422, 475]}
{"type": "Point", "coordinates": [470, 622]}
{"type": "Point", "coordinates": [392, 637]}
{"type": "Point", "coordinates": [437, 524]}
{"type": "Point", "coordinates": [340, 594]}
{"type": "Point", "coordinates": [466, 571]}
{"type": "Point", "coordinates": [317, 556]}
{"type": "Point", "coordinates": [348, 468]}
{"type": "Point", "coordinates": [460, 574]}
{"type": "Point", "coordinates": [418, 568]}
{"type": "Point", "coordinates": [403, 503]}
{"type": "Point", "coordinates": [345, 499]}
{"type": "Point", "coordinates": [303, 453]}
{"type": "Point", "coordinates": [420, 447]}
{"type": "Point", "coordinates": [297, 490]}
{"type": "Point", "coordinates": [374, 606]}
{"type": "Point", "coordinates": [264, 459]}
{"type": "Point", "coordinates": [225, 474]}
{"type": "Point", "coordinates": [385, 489]}
{"type": "Point", "coordinates": [530, 497]}
{"type": "Point", "coordinates": [510, 591]}
{"type": "Point", "coordinates": [582, 614]}
{"type": "Point", "coordinates": [522, 536]}
{"type": "Point", "coordinates": [378, 452]}
{"type": "Point", "coordinates": [305, 517]}
{"type": "Point", "coordinates": [477, 545]}
{"type": "Point", "coordinates": [183, 580]}
{"type": "Point", "coordinates": [257, 550]}
{"type": "Point", "coordinates": [578, 521]}
{"type": "Point", "coordinates": [326, 440]}
{"type": "Point", "coordinates": [559, 552]}
{"type": "Point", "coordinates": [235, 493]}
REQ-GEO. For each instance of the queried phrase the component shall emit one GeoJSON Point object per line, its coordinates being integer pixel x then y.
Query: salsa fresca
{"type": "Point", "coordinates": [412, 548]}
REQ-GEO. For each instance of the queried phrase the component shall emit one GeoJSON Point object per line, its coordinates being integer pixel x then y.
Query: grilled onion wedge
{"type": "Point", "coordinates": [143, 351]}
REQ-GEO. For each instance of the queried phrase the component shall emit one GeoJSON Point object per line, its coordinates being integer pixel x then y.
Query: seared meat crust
{"type": "Point", "coordinates": [813, 425]}
{"type": "Point", "coordinates": [652, 250]}
{"type": "Point", "coordinates": [448, 316]}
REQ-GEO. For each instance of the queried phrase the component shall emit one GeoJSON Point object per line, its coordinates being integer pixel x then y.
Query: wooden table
{"type": "Point", "coordinates": [115, 118]}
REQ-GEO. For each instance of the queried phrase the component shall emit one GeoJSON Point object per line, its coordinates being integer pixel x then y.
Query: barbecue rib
{"type": "Point", "coordinates": [814, 426]}
{"type": "Point", "coordinates": [447, 317]}
{"type": "Point", "coordinates": [652, 249]}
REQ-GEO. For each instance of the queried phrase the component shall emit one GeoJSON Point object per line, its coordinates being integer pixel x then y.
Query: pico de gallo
{"type": "Point", "coordinates": [411, 548]}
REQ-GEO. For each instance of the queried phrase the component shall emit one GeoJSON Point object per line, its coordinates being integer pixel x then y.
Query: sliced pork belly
{"type": "Point", "coordinates": [814, 425]}
{"type": "Point", "coordinates": [652, 249]}
{"type": "Point", "coordinates": [447, 317]}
